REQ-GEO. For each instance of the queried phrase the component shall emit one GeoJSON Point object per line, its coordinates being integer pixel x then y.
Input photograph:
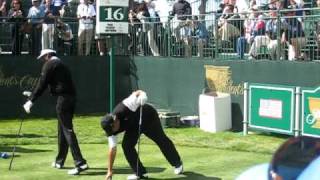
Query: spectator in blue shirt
{"type": "Point", "coordinates": [35, 15]}
{"type": "Point", "coordinates": [57, 6]}
{"type": "Point", "coordinates": [201, 34]}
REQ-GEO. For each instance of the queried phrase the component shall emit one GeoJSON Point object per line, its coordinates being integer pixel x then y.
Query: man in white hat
{"type": "Point", "coordinates": [57, 76]}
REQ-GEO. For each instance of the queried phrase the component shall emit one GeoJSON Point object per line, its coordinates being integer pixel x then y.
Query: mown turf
{"type": "Point", "coordinates": [205, 155]}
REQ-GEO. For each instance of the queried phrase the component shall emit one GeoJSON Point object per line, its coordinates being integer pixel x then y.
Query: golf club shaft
{"type": "Point", "coordinates": [139, 132]}
{"type": "Point", "coordinates": [14, 147]}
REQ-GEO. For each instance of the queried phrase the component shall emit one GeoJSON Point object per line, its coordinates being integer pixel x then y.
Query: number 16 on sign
{"type": "Point", "coordinates": [112, 17]}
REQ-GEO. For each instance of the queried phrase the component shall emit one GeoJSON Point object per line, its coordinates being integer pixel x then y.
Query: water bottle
{"type": "Point", "coordinates": [4, 155]}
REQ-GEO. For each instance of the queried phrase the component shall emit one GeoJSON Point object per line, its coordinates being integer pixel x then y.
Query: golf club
{"type": "Point", "coordinates": [139, 132]}
{"type": "Point", "coordinates": [27, 94]}
{"type": "Point", "coordinates": [14, 147]}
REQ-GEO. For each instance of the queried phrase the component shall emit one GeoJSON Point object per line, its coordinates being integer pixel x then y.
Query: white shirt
{"type": "Point", "coordinates": [112, 141]}
{"type": "Point", "coordinates": [133, 101]}
{"type": "Point", "coordinates": [86, 10]}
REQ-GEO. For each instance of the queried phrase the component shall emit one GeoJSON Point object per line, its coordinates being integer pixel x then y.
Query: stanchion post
{"type": "Point", "coordinates": [297, 112]}
{"type": "Point", "coordinates": [111, 76]}
{"type": "Point", "coordinates": [245, 108]}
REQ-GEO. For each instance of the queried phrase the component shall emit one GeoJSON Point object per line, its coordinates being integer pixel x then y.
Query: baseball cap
{"type": "Point", "coordinates": [297, 158]}
{"type": "Point", "coordinates": [106, 124]}
{"type": "Point", "coordinates": [46, 51]}
{"type": "Point", "coordinates": [293, 156]}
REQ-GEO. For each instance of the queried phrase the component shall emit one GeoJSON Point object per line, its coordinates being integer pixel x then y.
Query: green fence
{"type": "Point", "coordinates": [271, 108]}
{"type": "Point", "coordinates": [282, 109]}
{"type": "Point", "coordinates": [310, 113]}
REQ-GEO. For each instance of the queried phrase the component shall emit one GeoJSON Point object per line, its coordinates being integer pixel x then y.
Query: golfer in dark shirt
{"type": "Point", "coordinates": [56, 75]}
{"type": "Point", "coordinates": [126, 118]}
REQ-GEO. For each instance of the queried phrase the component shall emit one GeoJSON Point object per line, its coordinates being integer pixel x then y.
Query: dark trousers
{"type": "Point", "coordinates": [16, 40]}
{"type": "Point", "coordinates": [241, 46]}
{"type": "Point", "coordinates": [35, 42]}
{"type": "Point", "coordinates": [66, 135]}
{"type": "Point", "coordinates": [152, 128]}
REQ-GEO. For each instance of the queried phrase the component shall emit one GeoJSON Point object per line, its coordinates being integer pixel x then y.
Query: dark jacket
{"type": "Point", "coordinates": [182, 9]}
{"type": "Point", "coordinates": [57, 76]}
{"type": "Point", "coordinates": [129, 120]}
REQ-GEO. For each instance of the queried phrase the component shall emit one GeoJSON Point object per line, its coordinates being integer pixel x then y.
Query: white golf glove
{"type": "Point", "coordinates": [27, 106]}
{"type": "Point", "coordinates": [142, 98]}
{"type": "Point", "coordinates": [27, 93]}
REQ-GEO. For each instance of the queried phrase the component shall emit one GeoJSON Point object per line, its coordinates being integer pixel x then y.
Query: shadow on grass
{"type": "Point", "coordinates": [190, 175]}
{"type": "Point", "coordinates": [186, 175]}
{"type": "Point", "coordinates": [102, 171]}
{"type": "Point", "coordinates": [21, 135]}
{"type": "Point", "coordinates": [21, 150]}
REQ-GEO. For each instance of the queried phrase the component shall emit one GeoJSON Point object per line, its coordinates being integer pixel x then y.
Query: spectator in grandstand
{"type": "Point", "coordinates": [201, 34]}
{"type": "Point", "coordinates": [293, 35]}
{"type": "Point", "coordinates": [103, 42]}
{"type": "Point", "coordinates": [35, 15]}
{"type": "Point", "coordinates": [261, 4]}
{"type": "Point", "coordinates": [234, 4]}
{"type": "Point", "coordinates": [139, 16]}
{"type": "Point", "coordinates": [134, 31]}
{"type": "Point", "coordinates": [246, 26]}
{"type": "Point", "coordinates": [58, 6]}
{"type": "Point", "coordinates": [241, 41]}
{"type": "Point", "coordinates": [3, 8]}
{"type": "Point", "coordinates": [48, 25]}
{"type": "Point", "coordinates": [260, 40]}
{"type": "Point", "coordinates": [226, 3]}
{"type": "Point", "coordinates": [227, 24]}
{"type": "Point", "coordinates": [182, 10]}
{"type": "Point", "coordinates": [317, 12]}
{"type": "Point", "coordinates": [246, 31]}
{"type": "Point", "coordinates": [65, 38]}
{"type": "Point", "coordinates": [273, 26]}
{"type": "Point", "coordinates": [153, 22]}
{"type": "Point", "coordinates": [298, 6]}
{"type": "Point", "coordinates": [186, 37]}
{"type": "Point", "coordinates": [86, 15]}
{"type": "Point", "coordinates": [16, 17]}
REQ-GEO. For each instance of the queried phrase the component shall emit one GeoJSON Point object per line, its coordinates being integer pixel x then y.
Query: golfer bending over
{"type": "Point", "coordinates": [125, 117]}
{"type": "Point", "coordinates": [56, 75]}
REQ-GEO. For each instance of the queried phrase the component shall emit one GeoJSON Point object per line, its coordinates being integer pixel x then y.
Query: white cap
{"type": "Point", "coordinates": [44, 52]}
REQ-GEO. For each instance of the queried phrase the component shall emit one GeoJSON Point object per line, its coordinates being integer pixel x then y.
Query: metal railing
{"type": "Point", "coordinates": [222, 37]}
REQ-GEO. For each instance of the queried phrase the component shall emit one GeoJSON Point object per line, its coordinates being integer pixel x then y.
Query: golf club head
{"type": "Point", "coordinates": [26, 93]}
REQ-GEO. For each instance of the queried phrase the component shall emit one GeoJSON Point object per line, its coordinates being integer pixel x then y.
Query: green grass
{"type": "Point", "coordinates": [205, 155]}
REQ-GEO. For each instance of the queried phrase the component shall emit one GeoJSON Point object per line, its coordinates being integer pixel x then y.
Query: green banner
{"type": "Point", "coordinates": [271, 108]}
{"type": "Point", "coordinates": [310, 112]}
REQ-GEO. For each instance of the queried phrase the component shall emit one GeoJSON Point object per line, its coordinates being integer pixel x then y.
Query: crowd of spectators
{"type": "Point", "coordinates": [44, 23]}
{"type": "Point", "coordinates": [276, 26]}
